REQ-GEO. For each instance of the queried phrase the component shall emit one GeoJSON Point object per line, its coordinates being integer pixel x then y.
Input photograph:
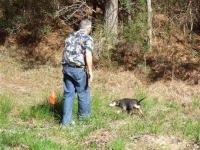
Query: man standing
{"type": "Point", "coordinates": [77, 72]}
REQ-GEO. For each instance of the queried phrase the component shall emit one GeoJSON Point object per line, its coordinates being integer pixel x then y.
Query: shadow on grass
{"type": "Point", "coordinates": [46, 110]}
{"type": "Point", "coordinates": [56, 111]}
{"type": "Point", "coordinates": [57, 108]}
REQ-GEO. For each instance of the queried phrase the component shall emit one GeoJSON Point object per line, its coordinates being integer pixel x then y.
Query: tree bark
{"type": "Point", "coordinates": [149, 24]}
{"type": "Point", "coordinates": [111, 16]}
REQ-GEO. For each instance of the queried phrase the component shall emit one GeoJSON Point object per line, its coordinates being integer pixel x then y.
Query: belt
{"type": "Point", "coordinates": [73, 66]}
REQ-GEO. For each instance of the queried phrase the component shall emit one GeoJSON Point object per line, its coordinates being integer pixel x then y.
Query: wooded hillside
{"type": "Point", "coordinates": [33, 32]}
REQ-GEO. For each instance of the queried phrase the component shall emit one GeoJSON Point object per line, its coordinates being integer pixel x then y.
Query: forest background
{"type": "Point", "coordinates": [175, 32]}
{"type": "Point", "coordinates": [139, 51]}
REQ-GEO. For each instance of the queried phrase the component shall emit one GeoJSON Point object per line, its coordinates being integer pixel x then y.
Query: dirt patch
{"type": "Point", "coordinates": [157, 142]}
{"type": "Point", "coordinates": [99, 138]}
{"type": "Point", "coordinates": [174, 91]}
{"type": "Point", "coordinates": [21, 147]}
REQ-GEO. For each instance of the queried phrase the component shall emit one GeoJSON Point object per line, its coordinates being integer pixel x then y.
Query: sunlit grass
{"type": "Point", "coordinates": [28, 119]}
{"type": "Point", "coordinates": [26, 140]}
{"type": "Point", "coordinates": [6, 106]}
{"type": "Point", "coordinates": [161, 117]}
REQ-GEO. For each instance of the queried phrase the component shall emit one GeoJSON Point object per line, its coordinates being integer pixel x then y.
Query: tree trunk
{"type": "Point", "coordinates": [94, 8]}
{"type": "Point", "coordinates": [111, 17]}
{"type": "Point", "coordinates": [149, 24]}
{"type": "Point", "coordinates": [129, 9]}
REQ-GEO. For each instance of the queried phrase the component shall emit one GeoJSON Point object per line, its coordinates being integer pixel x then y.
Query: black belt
{"type": "Point", "coordinates": [74, 66]}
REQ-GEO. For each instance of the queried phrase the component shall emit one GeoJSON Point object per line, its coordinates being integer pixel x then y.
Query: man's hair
{"type": "Point", "coordinates": [84, 24]}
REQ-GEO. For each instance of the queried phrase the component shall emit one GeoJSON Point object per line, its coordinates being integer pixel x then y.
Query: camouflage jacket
{"type": "Point", "coordinates": [75, 46]}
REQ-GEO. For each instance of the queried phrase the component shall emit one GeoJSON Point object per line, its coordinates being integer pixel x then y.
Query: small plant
{"type": "Point", "coordinates": [196, 102]}
{"type": "Point", "coordinates": [118, 144]}
{"type": "Point", "coordinates": [144, 68]}
{"type": "Point", "coordinates": [6, 106]}
{"type": "Point", "coordinates": [198, 133]}
{"type": "Point", "coordinates": [46, 30]}
{"type": "Point", "coordinates": [191, 128]}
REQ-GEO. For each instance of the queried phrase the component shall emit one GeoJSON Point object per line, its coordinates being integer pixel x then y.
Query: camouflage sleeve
{"type": "Point", "coordinates": [89, 44]}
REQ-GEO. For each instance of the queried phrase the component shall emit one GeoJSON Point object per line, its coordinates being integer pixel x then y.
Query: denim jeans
{"type": "Point", "coordinates": [75, 81]}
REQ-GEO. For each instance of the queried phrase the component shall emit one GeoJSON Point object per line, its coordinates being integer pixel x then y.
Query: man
{"type": "Point", "coordinates": [77, 72]}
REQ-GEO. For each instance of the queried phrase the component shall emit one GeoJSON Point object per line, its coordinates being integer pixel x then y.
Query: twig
{"type": "Point", "coordinates": [67, 13]}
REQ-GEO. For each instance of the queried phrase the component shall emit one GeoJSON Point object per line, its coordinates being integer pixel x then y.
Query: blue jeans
{"type": "Point", "coordinates": [75, 81]}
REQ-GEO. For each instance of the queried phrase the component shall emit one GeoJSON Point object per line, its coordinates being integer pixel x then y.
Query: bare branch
{"type": "Point", "coordinates": [73, 13]}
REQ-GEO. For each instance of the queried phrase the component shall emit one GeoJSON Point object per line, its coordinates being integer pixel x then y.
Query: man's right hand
{"type": "Point", "coordinates": [90, 78]}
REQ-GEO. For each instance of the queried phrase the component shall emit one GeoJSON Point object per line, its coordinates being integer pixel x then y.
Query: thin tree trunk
{"type": "Point", "coordinates": [94, 8]}
{"type": "Point", "coordinates": [191, 19]}
{"type": "Point", "coordinates": [129, 9]}
{"type": "Point", "coordinates": [111, 16]}
{"type": "Point", "coordinates": [149, 24]}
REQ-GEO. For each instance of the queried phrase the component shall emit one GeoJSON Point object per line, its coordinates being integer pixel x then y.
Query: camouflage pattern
{"type": "Point", "coordinates": [75, 46]}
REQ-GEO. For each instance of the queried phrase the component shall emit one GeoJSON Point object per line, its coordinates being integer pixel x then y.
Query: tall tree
{"type": "Point", "coordinates": [149, 24]}
{"type": "Point", "coordinates": [111, 16]}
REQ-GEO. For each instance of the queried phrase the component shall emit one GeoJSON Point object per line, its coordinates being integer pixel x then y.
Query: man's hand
{"type": "Point", "coordinates": [90, 78]}
{"type": "Point", "coordinates": [89, 66]}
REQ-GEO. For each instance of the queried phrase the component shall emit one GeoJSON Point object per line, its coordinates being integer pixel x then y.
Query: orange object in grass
{"type": "Point", "coordinates": [52, 98]}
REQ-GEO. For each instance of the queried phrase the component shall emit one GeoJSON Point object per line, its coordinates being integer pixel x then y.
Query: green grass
{"type": "Point", "coordinates": [118, 144]}
{"type": "Point", "coordinates": [22, 138]}
{"type": "Point", "coordinates": [6, 105]}
{"type": "Point", "coordinates": [29, 121]}
{"type": "Point", "coordinates": [160, 118]}
{"type": "Point", "coordinates": [191, 125]}
{"type": "Point", "coordinates": [40, 112]}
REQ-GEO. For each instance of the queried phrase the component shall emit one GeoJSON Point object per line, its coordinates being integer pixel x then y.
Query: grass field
{"type": "Point", "coordinates": [28, 121]}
